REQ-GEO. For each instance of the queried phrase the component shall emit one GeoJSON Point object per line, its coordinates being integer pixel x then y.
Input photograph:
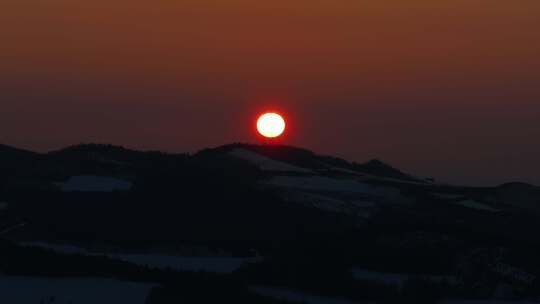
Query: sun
{"type": "Point", "coordinates": [271, 125]}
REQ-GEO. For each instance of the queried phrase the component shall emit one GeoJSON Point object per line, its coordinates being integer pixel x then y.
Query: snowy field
{"type": "Point", "coordinates": [27, 290]}
{"type": "Point", "coordinates": [396, 279]}
{"type": "Point", "coordinates": [214, 264]}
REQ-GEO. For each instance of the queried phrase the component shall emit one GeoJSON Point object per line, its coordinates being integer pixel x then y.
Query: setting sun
{"type": "Point", "coordinates": [271, 125]}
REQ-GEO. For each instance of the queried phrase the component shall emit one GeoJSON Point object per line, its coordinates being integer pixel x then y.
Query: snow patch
{"type": "Point", "coordinates": [181, 263]}
{"type": "Point", "coordinates": [27, 290]}
{"type": "Point", "coordinates": [265, 163]}
{"type": "Point", "coordinates": [89, 183]}
{"type": "Point", "coordinates": [476, 205]}
{"type": "Point", "coordinates": [12, 228]}
{"type": "Point", "coordinates": [215, 264]}
{"type": "Point", "coordinates": [397, 279]}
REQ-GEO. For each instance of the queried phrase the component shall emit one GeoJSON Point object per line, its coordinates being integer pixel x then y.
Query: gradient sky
{"type": "Point", "coordinates": [447, 88]}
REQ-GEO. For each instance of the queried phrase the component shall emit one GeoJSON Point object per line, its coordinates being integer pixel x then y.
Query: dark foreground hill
{"type": "Point", "coordinates": [255, 224]}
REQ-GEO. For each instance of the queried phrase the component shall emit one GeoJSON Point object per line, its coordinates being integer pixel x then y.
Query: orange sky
{"type": "Point", "coordinates": [448, 88]}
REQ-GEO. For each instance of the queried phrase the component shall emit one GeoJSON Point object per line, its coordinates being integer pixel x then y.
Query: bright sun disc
{"type": "Point", "coordinates": [271, 125]}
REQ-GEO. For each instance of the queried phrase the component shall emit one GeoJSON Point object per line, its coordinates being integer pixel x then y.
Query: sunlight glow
{"type": "Point", "coordinates": [271, 125]}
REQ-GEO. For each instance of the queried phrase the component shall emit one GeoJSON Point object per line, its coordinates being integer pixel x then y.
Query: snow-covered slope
{"type": "Point", "coordinates": [469, 203]}
{"type": "Point", "coordinates": [323, 187]}
{"type": "Point", "coordinates": [398, 279]}
{"type": "Point", "coordinates": [215, 264]}
{"type": "Point", "coordinates": [265, 163]}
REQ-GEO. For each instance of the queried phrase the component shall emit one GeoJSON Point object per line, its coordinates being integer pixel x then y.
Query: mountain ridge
{"type": "Point", "coordinates": [9, 156]}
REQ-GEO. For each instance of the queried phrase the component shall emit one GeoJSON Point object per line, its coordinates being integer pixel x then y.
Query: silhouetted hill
{"type": "Point", "coordinates": [10, 157]}
{"type": "Point", "coordinates": [18, 166]}
{"type": "Point", "coordinates": [519, 186]}
{"type": "Point", "coordinates": [306, 222]}
{"type": "Point", "coordinates": [7, 150]}
{"type": "Point", "coordinates": [308, 159]}
{"type": "Point", "coordinates": [379, 168]}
